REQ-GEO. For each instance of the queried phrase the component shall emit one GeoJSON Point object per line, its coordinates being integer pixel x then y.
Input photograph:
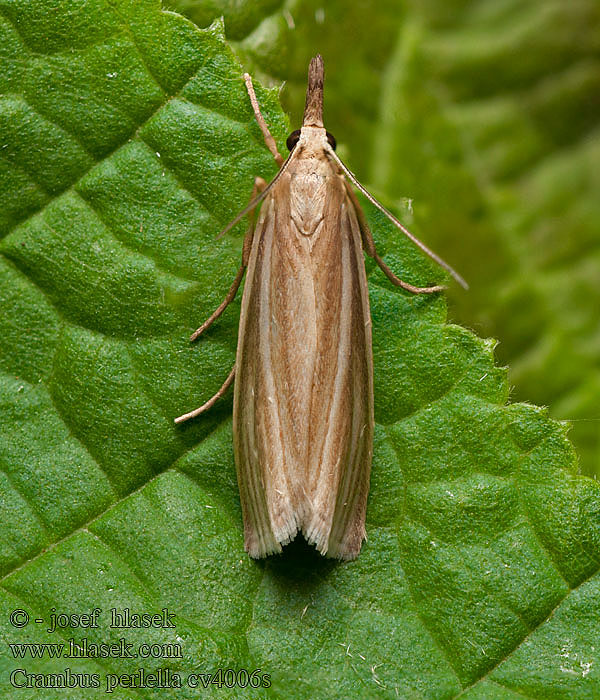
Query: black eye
{"type": "Point", "coordinates": [331, 139]}
{"type": "Point", "coordinates": [292, 139]}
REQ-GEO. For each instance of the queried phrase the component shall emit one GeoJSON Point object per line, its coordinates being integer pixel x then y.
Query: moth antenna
{"type": "Point", "coordinates": [434, 256]}
{"type": "Point", "coordinates": [257, 200]}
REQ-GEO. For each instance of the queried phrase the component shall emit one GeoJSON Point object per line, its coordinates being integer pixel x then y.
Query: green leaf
{"type": "Point", "coordinates": [499, 112]}
{"type": "Point", "coordinates": [127, 143]}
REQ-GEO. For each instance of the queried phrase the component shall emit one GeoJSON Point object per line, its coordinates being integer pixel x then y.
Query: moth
{"type": "Point", "coordinates": [303, 397]}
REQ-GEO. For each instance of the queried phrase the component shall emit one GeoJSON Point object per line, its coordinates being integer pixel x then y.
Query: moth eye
{"type": "Point", "coordinates": [292, 139]}
{"type": "Point", "coordinates": [331, 139]}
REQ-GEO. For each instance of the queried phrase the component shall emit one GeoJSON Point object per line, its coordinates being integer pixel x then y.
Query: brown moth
{"type": "Point", "coordinates": [303, 398]}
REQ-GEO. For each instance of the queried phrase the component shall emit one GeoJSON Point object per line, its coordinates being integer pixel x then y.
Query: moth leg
{"type": "Point", "coordinates": [269, 140]}
{"type": "Point", "coordinates": [259, 186]}
{"type": "Point", "coordinates": [223, 305]}
{"type": "Point", "coordinates": [211, 402]}
{"type": "Point", "coordinates": [369, 246]}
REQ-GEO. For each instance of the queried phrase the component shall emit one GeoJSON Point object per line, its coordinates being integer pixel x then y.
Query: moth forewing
{"type": "Point", "coordinates": [343, 393]}
{"type": "Point", "coordinates": [303, 399]}
{"type": "Point", "coordinates": [269, 509]}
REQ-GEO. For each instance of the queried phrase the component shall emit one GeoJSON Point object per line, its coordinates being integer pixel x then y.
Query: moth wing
{"type": "Point", "coordinates": [342, 404]}
{"type": "Point", "coordinates": [272, 502]}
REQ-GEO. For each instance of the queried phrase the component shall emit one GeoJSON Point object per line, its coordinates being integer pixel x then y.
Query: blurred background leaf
{"type": "Point", "coordinates": [485, 116]}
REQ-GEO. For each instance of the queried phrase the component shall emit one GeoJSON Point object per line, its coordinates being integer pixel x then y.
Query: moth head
{"type": "Point", "coordinates": [294, 137]}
